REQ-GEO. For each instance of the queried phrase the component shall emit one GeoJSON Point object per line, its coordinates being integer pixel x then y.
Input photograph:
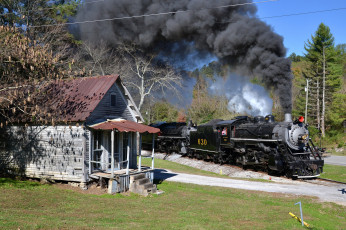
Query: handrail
{"type": "Point", "coordinates": [100, 162]}
{"type": "Point", "coordinates": [122, 161]}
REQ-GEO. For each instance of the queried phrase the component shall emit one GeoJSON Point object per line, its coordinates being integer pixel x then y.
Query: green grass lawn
{"type": "Point", "coordinates": [334, 172]}
{"type": "Point", "coordinates": [29, 205]}
{"type": "Point", "coordinates": [335, 153]}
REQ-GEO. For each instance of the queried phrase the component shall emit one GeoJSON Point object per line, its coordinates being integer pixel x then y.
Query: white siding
{"type": "Point", "coordinates": [104, 109]}
{"type": "Point", "coordinates": [55, 152]}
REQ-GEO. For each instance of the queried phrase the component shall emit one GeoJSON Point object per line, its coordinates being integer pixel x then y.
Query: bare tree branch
{"type": "Point", "coordinates": [142, 72]}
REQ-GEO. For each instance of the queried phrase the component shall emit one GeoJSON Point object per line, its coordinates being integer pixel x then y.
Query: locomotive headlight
{"type": "Point", "coordinates": [304, 137]}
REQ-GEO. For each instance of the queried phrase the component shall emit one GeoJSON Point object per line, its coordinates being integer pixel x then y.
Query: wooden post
{"type": "Point", "coordinates": [129, 140]}
{"type": "Point", "coordinates": [140, 153]}
{"type": "Point", "coordinates": [121, 143]}
{"type": "Point", "coordinates": [152, 154]}
{"type": "Point", "coordinates": [112, 152]}
{"type": "Point", "coordinates": [85, 174]}
{"type": "Point", "coordinates": [91, 142]}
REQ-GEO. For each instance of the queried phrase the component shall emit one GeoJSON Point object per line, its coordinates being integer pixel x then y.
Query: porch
{"type": "Point", "coordinates": [114, 147]}
{"type": "Point", "coordinates": [121, 181]}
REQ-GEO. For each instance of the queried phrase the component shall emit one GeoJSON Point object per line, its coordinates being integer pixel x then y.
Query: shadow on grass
{"type": "Point", "coordinates": [161, 174]}
{"type": "Point", "coordinates": [8, 182]}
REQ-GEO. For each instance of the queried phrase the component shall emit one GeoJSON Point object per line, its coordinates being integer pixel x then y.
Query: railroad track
{"type": "Point", "coordinates": [333, 181]}
{"type": "Point", "coordinates": [323, 181]}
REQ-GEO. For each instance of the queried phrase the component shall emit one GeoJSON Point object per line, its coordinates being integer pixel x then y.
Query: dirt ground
{"type": "Point", "coordinates": [92, 189]}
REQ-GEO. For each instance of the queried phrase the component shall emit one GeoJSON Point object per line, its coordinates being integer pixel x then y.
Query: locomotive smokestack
{"type": "Point", "coordinates": [288, 117]}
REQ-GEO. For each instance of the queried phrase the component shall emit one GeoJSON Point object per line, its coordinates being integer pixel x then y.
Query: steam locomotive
{"type": "Point", "coordinates": [260, 142]}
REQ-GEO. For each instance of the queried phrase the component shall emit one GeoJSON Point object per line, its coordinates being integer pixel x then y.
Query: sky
{"type": "Point", "coordinates": [296, 30]}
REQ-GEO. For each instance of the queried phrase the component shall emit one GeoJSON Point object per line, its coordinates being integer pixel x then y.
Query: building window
{"type": "Point", "coordinates": [98, 150]}
{"type": "Point", "coordinates": [113, 100]}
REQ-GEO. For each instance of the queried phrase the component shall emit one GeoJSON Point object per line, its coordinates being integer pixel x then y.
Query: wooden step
{"type": "Point", "coordinates": [143, 181]}
{"type": "Point", "coordinates": [148, 185]}
{"type": "Point", "coordinates": [142, 186]}
{"type": "Point", "coordinates": [137, 177]}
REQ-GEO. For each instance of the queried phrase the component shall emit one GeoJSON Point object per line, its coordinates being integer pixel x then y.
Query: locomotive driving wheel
{"type": "Point", "coordinates": [240, 160]}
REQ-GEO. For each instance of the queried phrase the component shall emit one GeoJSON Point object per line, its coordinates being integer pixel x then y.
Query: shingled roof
{"type": "Point", "coordinates": [124, 126]}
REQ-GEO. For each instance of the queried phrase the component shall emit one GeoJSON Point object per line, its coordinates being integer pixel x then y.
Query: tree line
{"type": "Point", "coordinates": [319, 84]}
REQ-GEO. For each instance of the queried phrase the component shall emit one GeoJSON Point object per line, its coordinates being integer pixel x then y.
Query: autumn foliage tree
{"type": "Point", "coordinates": [26, 66]}
{"type": "Point", "coordinates": [26, 69]}
{"type": "Point", "coordinates": [206, 107]}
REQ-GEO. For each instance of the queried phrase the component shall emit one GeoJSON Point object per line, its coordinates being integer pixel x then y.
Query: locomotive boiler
{"type": "Point", "coordinates": [259, 142]}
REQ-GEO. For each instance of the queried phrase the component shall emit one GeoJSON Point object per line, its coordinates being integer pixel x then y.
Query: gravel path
{"type": "Point", "coordinates": [335, 160]}
{"type": "Point", "coordinates": [325, 192]}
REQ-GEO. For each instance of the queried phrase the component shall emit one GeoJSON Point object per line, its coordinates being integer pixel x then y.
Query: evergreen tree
{"type": "Point", "coordinates": [342, 49]}
{"type": "Point", "coordinates": [324, 73]}
{"type": "Point", "coordinates": [32, 17]}
{"type": "Point", "coordinates": [295, 58]}
{"type": "Point", "coordinates": [163, 111]}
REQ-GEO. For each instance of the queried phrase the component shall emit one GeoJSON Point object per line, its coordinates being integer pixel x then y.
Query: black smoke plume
{"type": "Point", "coordinates": [233, 34]}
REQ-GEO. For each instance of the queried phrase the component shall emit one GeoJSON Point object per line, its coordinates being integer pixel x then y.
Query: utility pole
{"type": "Point", "coordinates": [306, 100]}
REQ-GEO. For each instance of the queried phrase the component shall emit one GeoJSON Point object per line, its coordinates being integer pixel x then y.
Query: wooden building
{"type": "Point", "coordinates": [95, 134]}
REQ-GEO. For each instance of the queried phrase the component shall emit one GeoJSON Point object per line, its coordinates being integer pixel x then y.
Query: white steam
{"type": "Point", "coordinates": [243, 96]}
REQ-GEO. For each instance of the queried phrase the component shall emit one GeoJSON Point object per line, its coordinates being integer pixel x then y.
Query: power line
{"type": "Point", "coordinates": [304, 13]}
{"type": "Point", "coordinates": [149, 15]}
{"type": "Point", "coordinates": [50, 8]}
{"type": "Point", "coordinates": [184, 11]}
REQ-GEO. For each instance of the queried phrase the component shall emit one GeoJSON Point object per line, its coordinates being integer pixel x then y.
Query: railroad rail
{"type": "Point", "coordinates": [329, 180]}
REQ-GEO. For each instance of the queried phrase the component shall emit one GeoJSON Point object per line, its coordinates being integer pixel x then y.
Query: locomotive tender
{"type": "Point", "coordinates": [259, 142]}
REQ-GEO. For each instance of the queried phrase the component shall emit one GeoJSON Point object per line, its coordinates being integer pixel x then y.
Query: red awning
{"type": "Point", "coordinates": [125, 126]}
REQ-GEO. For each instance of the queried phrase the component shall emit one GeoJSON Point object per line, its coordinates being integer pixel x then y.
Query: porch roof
{"type": "Point", "coordinates": [124, 126]}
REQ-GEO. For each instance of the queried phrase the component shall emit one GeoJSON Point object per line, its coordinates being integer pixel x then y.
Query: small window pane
{"type": "Point", "coordinates": [113, 99]}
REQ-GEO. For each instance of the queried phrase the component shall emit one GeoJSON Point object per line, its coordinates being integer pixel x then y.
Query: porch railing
{"type": "Point", "coordinates": [118, 163]}
{"type": "Point", "coordinates": [113, 163]}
